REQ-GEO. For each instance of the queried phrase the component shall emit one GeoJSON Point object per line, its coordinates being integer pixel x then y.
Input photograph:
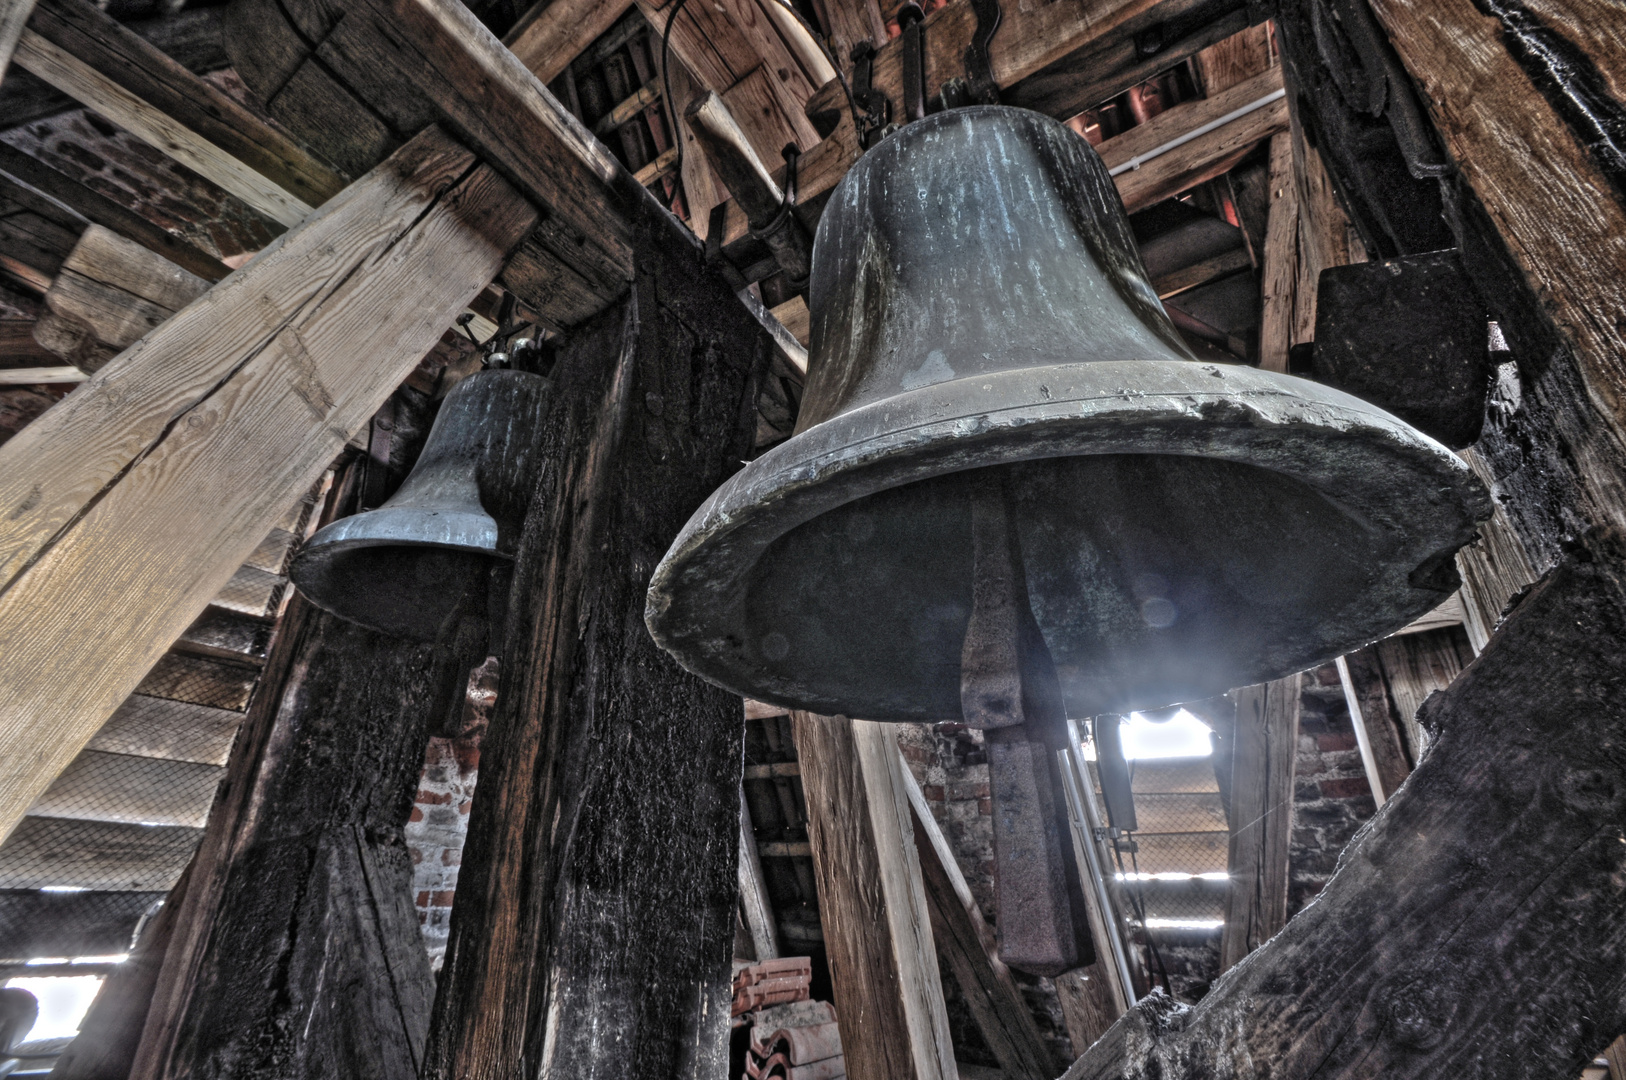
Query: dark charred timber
{"type": "Point", "coordinates": [595, 909]}
{"type": "Point", "coordinates": [298, 952]}
{"type": "Point", "coordinates": [1409, 335]}
{"type": "Point", "coordinates": [1477, 925]}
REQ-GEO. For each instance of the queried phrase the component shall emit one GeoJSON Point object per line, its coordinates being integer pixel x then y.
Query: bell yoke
{"type": "Point", "coordinates": [980, 315]}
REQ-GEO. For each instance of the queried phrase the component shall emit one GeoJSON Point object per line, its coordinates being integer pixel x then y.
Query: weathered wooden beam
{"type": "Point", "coordinates": [102, 786]}
{"type": "Point", "coordinates": [586, 943]}
{"type": "Point", "coordinates": [31, 376]}
{"type": "Point", "coordinates": [176, 730]}
{"type": "Point", "coordinates": [552, 34]}
{"type": "Point", "coordinates": [1279, 269]}
{"type": "Point", "coordinates": [1383, 755]}
{"type": "Point", "coordinates": [97, 208]}
{"type": "Point", "coordinates": [13, 17]}
{"type": "Point", "coordinates": [1182, 147]}
{"type": "Point", "coordinates": [754, 901]}
{"type": "Point", "coordinates": [872, 901]}
{"type": "Point", "coordinates": [87, 55]}
{"type": "Point", "coordinates": [1474, 927]}
{"type": "Point", "coordinates": [1261, 812]}
{"type": "Point", "coordinates": [297, 942]}
{"type": "Point", "coordinates": [966, 941]}
{"type": "Point", "coordinates": [189, 446]}
{"type": "Point", "coordinates": [1195, 140]}
{"type": "Point", "coordinates": [107, 295]}
{"type": "Point", "coordinates": [108, 856]}
{"type": "Point", "coordinates": [1519, 122]}
{"type": "Point", "coordinates": [1416, 665]}
{"type": "Point", "coordinates": [36, 924]}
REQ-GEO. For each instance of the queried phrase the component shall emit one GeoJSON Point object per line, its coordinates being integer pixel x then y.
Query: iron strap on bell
{"type": "Point", "coordinates": [979, 309]}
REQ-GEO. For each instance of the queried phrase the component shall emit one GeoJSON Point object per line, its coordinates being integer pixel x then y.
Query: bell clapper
{"type": "Point", "coordinates": [1008, 688]}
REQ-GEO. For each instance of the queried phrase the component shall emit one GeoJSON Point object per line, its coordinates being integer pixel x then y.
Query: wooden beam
{"type": "Point", "coordinates": [99, 786]}
{"type": "Point", "coordinates": [188, 447]}
{"type": "Point", "coordinates": [1194, 141]}
{"type": "Point", "coordinates": [1088, 1005]}
{"type": "Point", "coordinates": [967, 942]}
{"type": "Point", "coordinates": [1189, 277]}
{"type": "Point", "coordinates": [1279, 272]}
{"type": "Point", "coordinates": [91, 58]}
{"type": "Point", "coordinates": [1456, 907]}
{"type": "Point", "coordinates": [109, 293]}
{"type": "Point", "coordinates": [872, 901]}
{"type": "Point", "coordinates": [554, 32]}
{"type": "Point", "coordinates": [297, 941]}
{"type": "Point", "coordinates": [557, 965]}
{"type": "Point", "coordinates": [176, 730]}
{"type": "Point", "coordinates": [1261, 810]}
{"type": "Point", "coordinates": [97, 208]}
{"type": "Point", "coordinates": [35, 924]}
{"type": "Point", "coordinates": [13, 17]}
{"type": "Point", "coordinates": [1382, 756]}
{"type": "Point", "coordinates": [1416, 665]}
{"type": "Point", "coordinates": [1171, 171]}
{"type": "Point", "coordinates": [754, 901]}
{"type": "Point", "coordinates": [1495, 567]}
{"type": "Point", "coordinates": [1513, 118]}
{"type": "Point", "coordinates": [33, 376]}
{"type": "Point", "coordinates": [44, 852]}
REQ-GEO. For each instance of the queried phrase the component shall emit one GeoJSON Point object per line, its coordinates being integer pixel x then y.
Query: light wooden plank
{"type": "Point", "coordinates": [1415, 666]}
{"type": "Point", "coordinates": [872, 902]}
{"type": "Point", "coordinates": [101, 93]}
{"type": "Point", "coordinates": [108, 294]}
{"type": "Point", "coordinates": [142, 70]}
{"type": "Point", "coordinates": [754, 902]}
{"type": "Point", "coordinates": [965, 940]}
{"type": "Point", "coordinates": [796, 318]}
{"type": "Point", "coordinates": [13, 17]}
{"type": "Point", "coordinates": [1494, 568]}
{"type": "Point", "coordinates": [1235, 59]}
{"type": "Point", "coordinates": [43, 852]}
{"type": "Point", "coordinates": [138, 790]}
{"type": "Point", "coordinates": [554, 33]}
{"type": "Point", "coordinates": [95, 207]}
{"type": "Point", "coordinates": [30, 376]}
{"type": "Point", "coordinates": [1266, 744]}
{"type": "Point", "coordinates": [178, 730]}
{"type": "Point", "coordinates": [1280, 269]}
{"type": "Point", "coordinates": [1189, 277]}
{"type": "Point", "coordinates": [132, 502]}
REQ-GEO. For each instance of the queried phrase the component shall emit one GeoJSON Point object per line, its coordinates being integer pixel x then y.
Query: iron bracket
{"type": "Point", "coordinates": [912, 40]}
{"type": "Point", "coordinates": [875, 110]}
{"type": "Point", "coordinates": [979, 63]}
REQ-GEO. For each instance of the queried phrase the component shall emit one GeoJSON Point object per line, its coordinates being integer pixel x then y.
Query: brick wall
{"type": "Point", "coordinates": [440, 813]}
{"type": "Point", "coordinates": [1331, 798]}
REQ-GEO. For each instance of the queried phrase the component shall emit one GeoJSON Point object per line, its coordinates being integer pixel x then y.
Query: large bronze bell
{"type": "Point", "coordinates": [980, 316]}
{"type": "Point", "coordinates": [407, 567]}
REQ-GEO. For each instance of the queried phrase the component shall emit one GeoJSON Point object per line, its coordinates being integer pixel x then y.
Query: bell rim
{"type": "Point", "coordinates": [840, 460]}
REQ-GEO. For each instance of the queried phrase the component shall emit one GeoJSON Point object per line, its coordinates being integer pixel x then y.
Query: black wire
{"type": "Point", "coordinates": [666, 87]}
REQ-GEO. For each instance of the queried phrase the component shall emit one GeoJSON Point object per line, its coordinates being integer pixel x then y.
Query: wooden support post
{"type": "Point", "coordinates": [596, 899]}
{"type": "Point", "coordinates": [872, 901]}
{"type": "Point", "coordinates": [1495, 567]}
{"type": "Point", "coordinates": [758, 909]}
{"type": "Point", "coordinates": [1280, 270]}
{"type": "Point", "coordinates": [967, 942]}
{"type": "Point", "coordinates": [1474, 927]}
{"type": "Point", "coordinates": [1261, 813]}
{"type": "Point", "coordinates": [297, 941]}
{"type": "Point", "coordinates": [185, 450]}
{"type": "Point", "coordinates": [1382, 754]}
{"type": "Point", "coordinates": [1416, 665]}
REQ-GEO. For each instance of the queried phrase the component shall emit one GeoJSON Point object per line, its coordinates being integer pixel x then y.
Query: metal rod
{"type": "Point", "coordinates": [1197, 132]}
{"type": "Point", "coordinates": [1081, 813]}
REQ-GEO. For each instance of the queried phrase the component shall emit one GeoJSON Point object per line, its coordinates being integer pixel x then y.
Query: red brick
{"type": "Point", "coordinates": [451, 857]}
{"type": "Point", "coordinates": [1351, 788]}
{"type": "Point", "coordinates": [985, 807]}
{"type": "Point", "coordinates": [422, 900]}
{"type": "Point", "coordinates": [432, 798]}
{"type": "Point", "coordinates": [465, 806]}
{"type": "Point", "coordinates": [442, 898]}
{"type": "Point", "coordinates": [417, 815]}
{"type": "Point", "coordinates": [1336, 741]}
{"type": "Point", "coordinates": [1327, 675]}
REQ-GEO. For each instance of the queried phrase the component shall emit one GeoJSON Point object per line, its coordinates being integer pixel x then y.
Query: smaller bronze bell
{"type": "Point", "coordinates": [405, 567]}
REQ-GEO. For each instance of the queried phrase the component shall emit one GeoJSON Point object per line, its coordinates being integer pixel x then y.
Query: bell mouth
{"type": "Point", "coordinates": [363, 570]}
{"type": "Point", "coordinates": [1185, 528]}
